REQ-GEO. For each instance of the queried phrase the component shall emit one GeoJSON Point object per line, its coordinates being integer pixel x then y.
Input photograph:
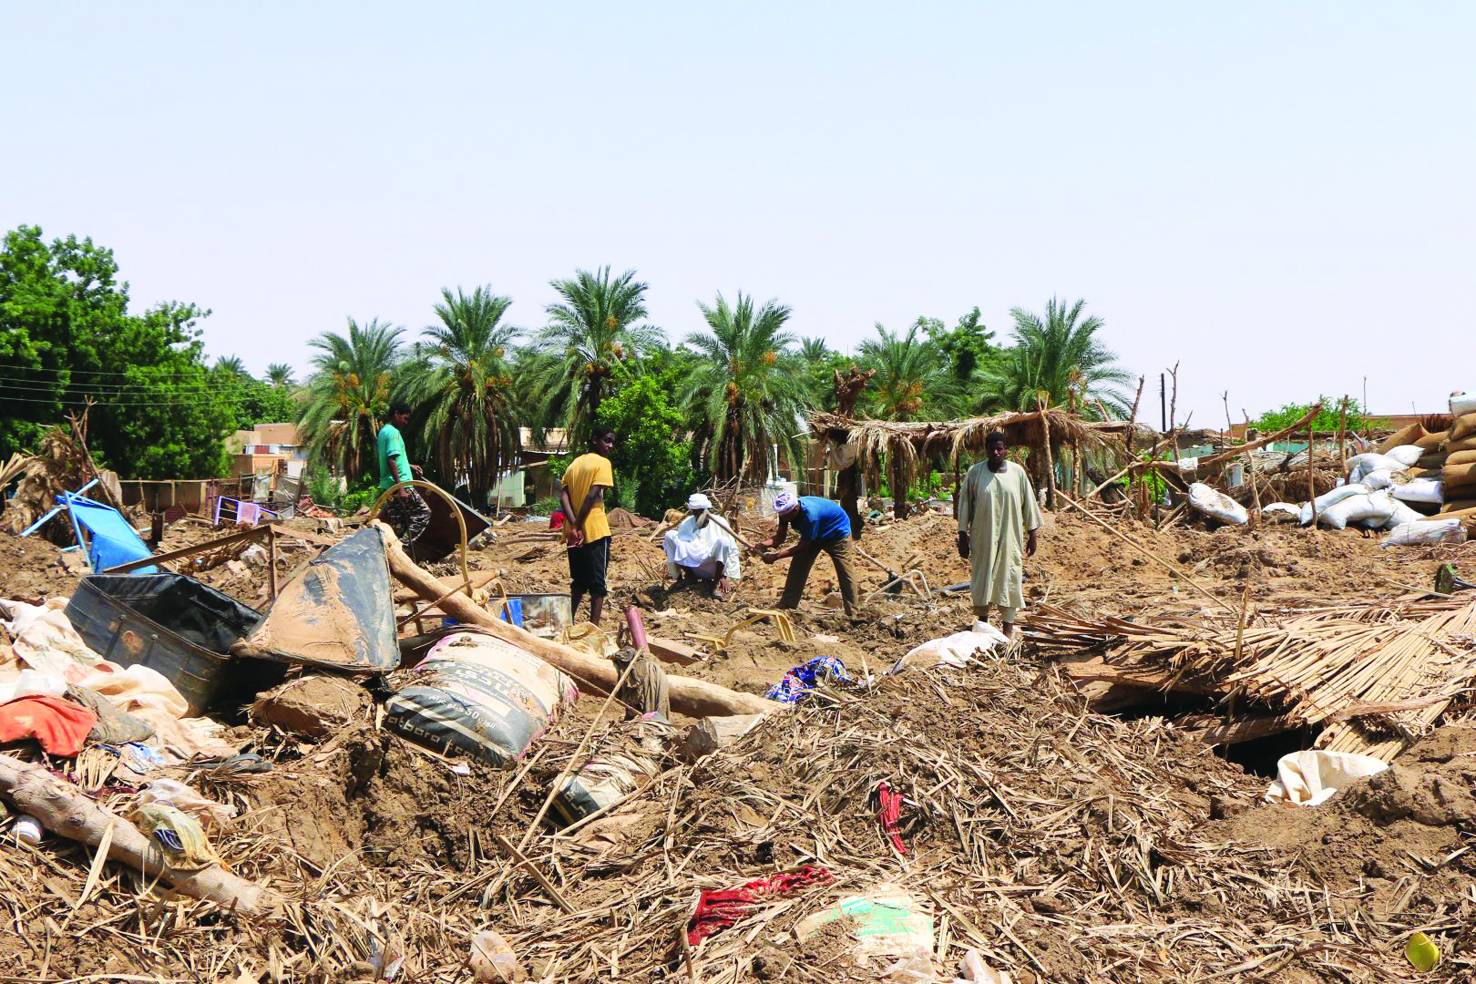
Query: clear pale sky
{"type": "Point", "coordinates": [1280, 195]}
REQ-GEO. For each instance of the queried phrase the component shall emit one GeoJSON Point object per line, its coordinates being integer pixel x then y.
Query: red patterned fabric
{"type": "Point", "coordinates": [720, 908]}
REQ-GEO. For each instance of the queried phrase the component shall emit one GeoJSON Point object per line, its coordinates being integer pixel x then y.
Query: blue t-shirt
{"type": "Point", "coordinates": [820, 520]}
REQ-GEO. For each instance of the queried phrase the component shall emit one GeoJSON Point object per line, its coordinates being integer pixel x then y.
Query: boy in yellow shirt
{"type": "Point", "coordinates": [587, 531]}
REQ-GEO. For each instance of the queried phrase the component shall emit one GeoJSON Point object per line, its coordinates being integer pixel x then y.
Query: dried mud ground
{"type": "Point", "coordinates": [1063, 844]}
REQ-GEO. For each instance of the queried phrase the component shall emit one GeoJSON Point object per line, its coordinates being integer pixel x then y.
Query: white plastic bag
{"type": "Point", "coordinates": [1310, 778]}
{"type": "Point", "coordinates": [1401, 514]}
{"type": "Point", "coordinates": [1216, 505]}
{"type": "Point", "coordinates": [1427, 490]}
{"type": "Point", "coordinates": [1379, 478]}
{"type": "Point", "coordinates": [1426, 531]}
{"type": "Point", "coordinates": [1362, 465]}
{"type": "Point", "coordinates": [1462, 404]}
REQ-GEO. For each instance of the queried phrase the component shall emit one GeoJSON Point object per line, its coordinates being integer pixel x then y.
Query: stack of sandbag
{"type": "Point", "coordinates": [1376, 510]}
{"type": "Point", "coordinates": [1458, 471]}
{"type": "Point", "coordinates": [1377, 471]}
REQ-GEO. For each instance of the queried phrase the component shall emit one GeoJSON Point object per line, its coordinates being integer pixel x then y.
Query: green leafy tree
{"type": "Point", "coordinates": [743, 393]}
{"type": "Point", "coordinates": [819, 363]}
{"type": "Point", "coordinates": [461, 385]}
{"type": "Point", "coordinates": [349, 394]}
{"type": "Point", "coordinates": [255, 401]}
{"type": "Point", "coordinates": [67, 338]}
{"type": "Point", "coordinates": [652, 456]}
{"type": "Point", "coordinates": [966, 346]}
{"type": "Point", "coordinates": [1326, 421]}
{"type": "Point", "coordinates": [592, 335]}
{"type": "Point", "coordinates": [1058, 359]}
{"type": "Point", "coordinates": [279, 374]}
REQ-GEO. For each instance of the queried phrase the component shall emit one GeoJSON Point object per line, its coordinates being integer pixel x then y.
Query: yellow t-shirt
{"type": "Point", "coordinates": [583, 474]}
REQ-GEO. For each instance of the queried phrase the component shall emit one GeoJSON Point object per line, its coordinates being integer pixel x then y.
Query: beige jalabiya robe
{"type": "Point", "coordinates": [997, 510]}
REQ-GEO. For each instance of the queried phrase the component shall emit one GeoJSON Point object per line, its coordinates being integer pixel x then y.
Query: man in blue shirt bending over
{"type": "Point", "coordinates": [821, 525]}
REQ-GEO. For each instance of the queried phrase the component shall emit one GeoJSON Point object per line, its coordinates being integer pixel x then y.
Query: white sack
{"type": "Point", "coordinates": [1462, 404]}
{"type": "Point", "coordinates": [1401, 514]}
{"type": "Point", "coordinates": [1310, 778]}
{"type": "Point", "coordinates": [1328, 499]}
{"type": "Point", "coordinates": [1356, 509]}
{"type": "Point", "coordinates": [955, 650]}
{"type": "Point", "coordinates": [1421, 490]}
{"type": "Point", "coordinates": [1406, 454]}
{"type": "Point", "coordinates": [1362, 465]}
{"type": "Point", "coordinates": [1379, 478]}
{"type": "Point", "coordinates": [1216, 505]}
{"type": "Point", "coordinates": [1282, 507]}
{"type": "Point", "coordinates": [1426, 531]}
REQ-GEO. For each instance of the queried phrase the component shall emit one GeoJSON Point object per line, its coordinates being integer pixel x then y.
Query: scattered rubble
{"type": "Point", "coordinates": [988, 802]}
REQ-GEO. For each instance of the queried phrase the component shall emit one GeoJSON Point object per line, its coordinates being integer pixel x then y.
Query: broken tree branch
{"type": "Point", "coordinates": [697, 698]}
{"type": "Point", "coordinates": [67, 812]}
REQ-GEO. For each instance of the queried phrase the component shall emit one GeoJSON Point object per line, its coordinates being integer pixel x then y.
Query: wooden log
{"type": "Point", "coordinates": [696, 698]}
{"type": "Point", "coordinates": [66, 811]}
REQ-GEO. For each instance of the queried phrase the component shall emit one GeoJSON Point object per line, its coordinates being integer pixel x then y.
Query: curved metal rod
{"type": "Point", "coordinates": [455, 511]}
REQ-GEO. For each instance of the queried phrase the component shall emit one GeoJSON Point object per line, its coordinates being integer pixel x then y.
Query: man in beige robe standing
{"type": "Point", "coordinates": [997, 522]}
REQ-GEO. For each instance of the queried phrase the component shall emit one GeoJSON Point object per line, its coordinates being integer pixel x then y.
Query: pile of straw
{"type": "Point", "coordinates": [1062, 844]}
{"type": "Point", "coordinates": [1376, 675]}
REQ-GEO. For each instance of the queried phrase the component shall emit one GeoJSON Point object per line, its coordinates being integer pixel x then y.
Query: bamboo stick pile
{"type": "Point", "coordinates": [1375, 676]}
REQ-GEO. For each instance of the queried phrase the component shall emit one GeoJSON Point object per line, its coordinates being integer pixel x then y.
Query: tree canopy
{"type": "Point", "coordinates": [714, 407]}
{"type": "Point", "coordinates": [1327, 419]}
{"type": "Point", "coordinates": [67, 336]}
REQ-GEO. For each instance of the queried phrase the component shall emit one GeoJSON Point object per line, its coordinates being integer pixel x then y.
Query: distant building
{"type": "Point", "coordinates": [531, 480]}
{"type": "Point", "coordinates": [265, 450]}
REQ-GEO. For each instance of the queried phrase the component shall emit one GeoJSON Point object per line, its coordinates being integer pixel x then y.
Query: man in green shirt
{"type": "Point", "coordinates": [406, 512]}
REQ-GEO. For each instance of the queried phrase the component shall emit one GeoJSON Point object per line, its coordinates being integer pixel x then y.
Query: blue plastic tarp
{"type": "Point", "coordinates": [111, 540]}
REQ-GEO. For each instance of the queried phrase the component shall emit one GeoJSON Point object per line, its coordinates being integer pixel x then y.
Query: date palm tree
{"type": "Point", "coordinates": [230, 364]}
{"type": "Point", "coordinates": [912, 375]}
{"type": "Point", "coordinates": [279, 374]}
{"type": "Point", "coordinates": [593, 332]}
{"type": "Point", "coordinates": [1058, 359]}
{"type": "Point", "coordinates": [461, 384]}
{"type": "Point", "coordinates": [744, 395]}
{"type": "Point", "coordinates": [349, 394]}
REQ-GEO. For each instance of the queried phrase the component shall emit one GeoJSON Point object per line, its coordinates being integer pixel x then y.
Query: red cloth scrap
{"type": "Point", "coordinates": [720, 908]}
{"type": "Point", "coordinates": [888, 812]}
{"type": "Point", "coordinates": [59, 725]}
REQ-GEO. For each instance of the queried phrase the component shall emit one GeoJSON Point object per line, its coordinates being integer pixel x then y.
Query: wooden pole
{"type": "Point", "coordinates": [1311, 484]}
{"type": "Point", "coordinates": [1342, 432]}
{"type": "Point", "coordinates": [1133, 418]}
{"type": "Point", "coordinates": [1250, 475]}
{"type": "Point", "coordinates": [272, 561]}
{"type": "Point", "coordinates": [1045, 426]}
